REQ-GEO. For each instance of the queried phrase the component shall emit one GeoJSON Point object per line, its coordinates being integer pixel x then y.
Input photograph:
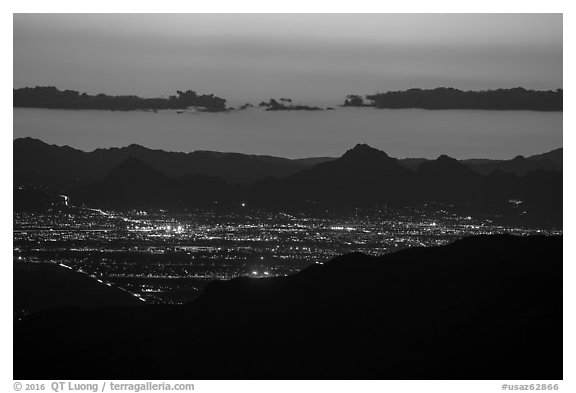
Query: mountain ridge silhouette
{"type": "Point", "coordinates": [363, 176]}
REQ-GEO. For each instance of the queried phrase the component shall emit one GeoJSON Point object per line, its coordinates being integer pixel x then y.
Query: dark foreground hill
{"type": "Point", "coordinates": [481, 308]}
{"type": "Point", "coordinates": [39, 286]}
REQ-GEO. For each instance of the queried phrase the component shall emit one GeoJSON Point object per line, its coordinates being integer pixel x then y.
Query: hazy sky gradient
{"type": "Point", "coordinates": [309, 57]}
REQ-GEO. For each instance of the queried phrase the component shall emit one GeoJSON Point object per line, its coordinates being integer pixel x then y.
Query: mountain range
{"type": "Point", "coordinates": [36, 162]}
{"type": "Point", "coordinates": [136, 177]}
{"type": "Point", "coordinates": [64, 166]}
{"type": "Point", "coordinates": [485, 307]}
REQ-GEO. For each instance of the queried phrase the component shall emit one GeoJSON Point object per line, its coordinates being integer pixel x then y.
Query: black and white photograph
{"type": "Point", "coordinates": [287, 196]}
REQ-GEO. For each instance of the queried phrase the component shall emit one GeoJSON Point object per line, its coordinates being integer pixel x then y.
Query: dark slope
{"type": "Point", "coordinates": [367, 176]}
{"type": "Point", "coordinates": [412, 163]}
{"type": "Point", "coordinates": [309, 162]}
{"type": "Point", "coordinates": [544, 196]}
{"type": "Point", "coordinates": [480, 308]}
{"type": "Point", "coordinates": [39, 286]}
{"type": "Point", "coordinates": [35, 199]}
{"type": "Point", "coordinates": [39, 163]}
{"type": "Point", "coordinates": [555, 156]}
{"type": "Point", "coordinates": [532, 199]}
{"type": "Point", "coordinates": [134, 184]}
{"type": "Point", "coordinates": [362, 175]}
{"type": "Point", "coordinates": [446, 179]}
{"type": "Point", "coordinates": [234, 168]}
{"type": "Point", "coordinates": [520, 165]}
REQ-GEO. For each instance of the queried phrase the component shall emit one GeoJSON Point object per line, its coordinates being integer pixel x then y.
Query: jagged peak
{"type": "Point", "coordinates": [35, 143]}
{"type": "Point", "coordinates": [443, 160]}
{"type": "Point", "coordinates": [364, 150]}
{"type": "Point", "coordinates": [446, 158]}
{"type": "Point", "coordinates": [444, 164]}
{"type": "Point", "coordinates": [30, 141]}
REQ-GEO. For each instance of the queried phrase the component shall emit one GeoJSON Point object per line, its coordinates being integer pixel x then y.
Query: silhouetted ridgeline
{"type": "Point", "coordinates": [450, 98]}
{"type": "Point", "coordinates": [51, 97]}
{"type": "Point", "coordinates": [64, 166]}
{"type": "Point", "coordinates": [487, 307]}
{"type": "Point", "coordinates": [365, 176]}
{"type": "Point", "coordinates": [522, 191]}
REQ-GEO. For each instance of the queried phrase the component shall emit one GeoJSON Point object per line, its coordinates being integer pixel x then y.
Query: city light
{"type": "Point", "coordinates": [169, 258]}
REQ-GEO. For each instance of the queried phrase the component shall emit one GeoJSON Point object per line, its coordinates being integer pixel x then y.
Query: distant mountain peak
{"type": "Point", "coordinates": [362, 150]}
{"type": "Point", "coordinates": [445, 165]}
{"type": "Point", "coordinates": [35, 146]}
{"type": "Point", "coordinates": [136, 147]}
{"type": "Point", "coordinates": [446, 158]}
{"type": "Point", "coordinates": [29, 141]}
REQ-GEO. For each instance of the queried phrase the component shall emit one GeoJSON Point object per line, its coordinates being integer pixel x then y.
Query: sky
{"type": "Point", "coordinates": [312, 58]}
